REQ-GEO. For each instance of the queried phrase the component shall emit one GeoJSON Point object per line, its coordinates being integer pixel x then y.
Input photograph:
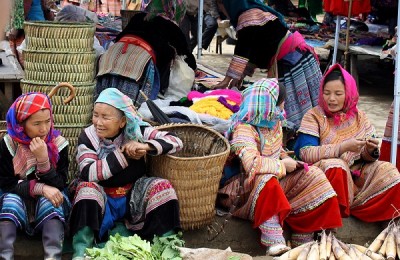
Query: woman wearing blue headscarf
{"type": "Point", "coordinates": [264, 41]}
{"type": "Point", "coordinates": [111, 185]}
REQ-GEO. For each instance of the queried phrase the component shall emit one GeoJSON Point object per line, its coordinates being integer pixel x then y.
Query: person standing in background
{"type": "Point", "coordinates": [189, 24]}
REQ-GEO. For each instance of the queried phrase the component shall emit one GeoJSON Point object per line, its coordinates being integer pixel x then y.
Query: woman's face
{"type": "Point", "coordinates": [334, 95]}
{"type": "Point", "coordinates": [38, 124]}
{"type": "Point", "coordinates": [107, 120]}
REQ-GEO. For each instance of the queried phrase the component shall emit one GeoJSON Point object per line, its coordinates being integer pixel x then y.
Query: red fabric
{"type": "Point", "coordinates": [341, 7]}
{"type": "Point", "coordinates": [325, 216]}
{"type": "Point", "coordinates": [385, 153]}
{"type": "Point", "coordinates": [30, 104]}
{"type": "Point", "coordinates": [380, 208]}
{"type": "Point", "coordinates": [338, 179]}
{"type": "Point", "coordinates": [271, 201]}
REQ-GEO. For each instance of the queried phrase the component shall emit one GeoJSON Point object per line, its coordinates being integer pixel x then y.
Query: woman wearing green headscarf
{"type": "Point", "coordinates": [111, 185]}
{"type": "Point", "coordinates": [264, 41]}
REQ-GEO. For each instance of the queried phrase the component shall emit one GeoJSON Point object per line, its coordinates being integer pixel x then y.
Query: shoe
{"type": "Point", "coordinates": [277, 249]}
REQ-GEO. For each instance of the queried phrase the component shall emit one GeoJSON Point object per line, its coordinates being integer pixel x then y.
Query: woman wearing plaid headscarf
{"type": "Point", "coordinates": [112, 186]}
{"type": "Point", "coordinates": [277, 190]}
{"type": "Point", "coordinates": [33, 175]}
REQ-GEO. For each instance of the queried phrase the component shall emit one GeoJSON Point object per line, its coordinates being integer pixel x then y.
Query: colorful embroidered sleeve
{"type": "Point", "coordinates": [309, 150]}
{"type": "Point", "coordinates": [245, 145]}
{"type": "Point", "coordinates": [237, 67]}
{"type": "Point", "coordinates": [94, 169]}
{"type": "Point", "coordinates": [164, 142]}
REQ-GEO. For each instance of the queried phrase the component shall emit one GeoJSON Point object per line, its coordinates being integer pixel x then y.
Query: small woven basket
{"type": "Point", "coordinates": [194, 172]}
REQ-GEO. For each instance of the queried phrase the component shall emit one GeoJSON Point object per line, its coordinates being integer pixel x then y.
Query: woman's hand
{"type": "Point", "coordinates": [39, 149]}
{"type": "Point", "coordinates": [372, 145]}
{"type": "Point", "coordinates": [290, 164]}
{"type": "Point", "coordinates": [353, 145]}
{"type": "Point", "coordinates": [54, 195]}
{"type": "Point", "coordinates": [135, 150]}
{"type": "Point", "coordinates": [225, 83]}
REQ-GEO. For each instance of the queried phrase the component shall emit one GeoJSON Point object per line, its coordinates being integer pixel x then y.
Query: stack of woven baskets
{"type": "Point", "coordinates": [62, 52]}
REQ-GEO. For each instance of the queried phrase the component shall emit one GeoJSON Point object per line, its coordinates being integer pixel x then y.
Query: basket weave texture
{"type": "Point", "coordinates": [3, 129]}
{"type": "Point", "coordinates": [59, 36]}
{"type": "Point", "coordinates": [194, 172]}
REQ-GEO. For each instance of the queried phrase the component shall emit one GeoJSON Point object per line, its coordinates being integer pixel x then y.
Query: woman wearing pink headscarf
{"type": "Point", "coordinates": [338, 138]}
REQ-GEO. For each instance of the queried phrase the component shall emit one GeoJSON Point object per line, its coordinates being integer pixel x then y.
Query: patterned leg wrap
{"type": "Point", "coordinates": [301, 238]}
{"type": "Point", "coordinates": [271, 232]}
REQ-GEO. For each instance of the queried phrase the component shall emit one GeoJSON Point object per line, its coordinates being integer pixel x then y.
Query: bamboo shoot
{"type": "Point", "coordinates": [322, 246]}
{"type": "Point", "coordinates": [368, 252]}
{"type": "Point", "coordinates": [304, 252]}
{"type": "Point", "coordinates": [378, 241]}
{"type": "Point", "coordinates": [294, 253]}
{"type": "Point", "coordinates": [338, 250]}
{"type": "Point", "coordinates": [329, 245]}
{"type": "Point", "coordinates": [313, 254]}
{"type": "Point", "coordinates": [390, 246]}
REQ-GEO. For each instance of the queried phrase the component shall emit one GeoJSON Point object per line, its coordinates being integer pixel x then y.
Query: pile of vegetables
{"type": "Point", "coordinates": [133, 247]}
{"type": "Point", "coordinates": [331, 248]}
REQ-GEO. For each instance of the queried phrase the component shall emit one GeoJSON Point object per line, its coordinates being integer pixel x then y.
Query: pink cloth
{"type": "Point", "coordinates": [228, 94]}
{"type": "Point", "coordinates": [351, 91]}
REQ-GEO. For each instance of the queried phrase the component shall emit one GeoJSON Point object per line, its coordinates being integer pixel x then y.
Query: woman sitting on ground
{"type": "Point", "coordinates": [339, 139]}
{"type": "Point", "coordinates": [33, 175]}
{"type": "Point", "coordinates": [112, 185]}
{"type": "Point", "coordinates": [277, 189]}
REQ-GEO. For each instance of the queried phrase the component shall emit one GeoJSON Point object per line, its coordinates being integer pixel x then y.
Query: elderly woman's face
{"type": "Point", "coordinates": [107, 120]}
{"type": "Point", "coordinates": [334, 95]}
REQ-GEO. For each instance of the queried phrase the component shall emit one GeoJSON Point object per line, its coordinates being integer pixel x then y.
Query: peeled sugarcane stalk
{"type": "Point", "coordinates": [390, 246]}
{"type": "Point", "coordinates": [322, 246]}
{"type": "Point", "coordinates": [378, 241]}
{"type": "Point", "coordinates": [304, 252]}
{"type": "Point", "coordinates": [329, 245]}
{"type": "Point", "coordinates": [313, 254]}
{"type": "Point", "coordinates": [368, 252]}
{"type": "Point", "coordinates": [294, 253]}
{"type": "Point", "coordinates": [340, 254]}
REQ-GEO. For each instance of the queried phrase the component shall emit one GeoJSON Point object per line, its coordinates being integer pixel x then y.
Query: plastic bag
{"type": "Point", "coordinates": [181, 79]}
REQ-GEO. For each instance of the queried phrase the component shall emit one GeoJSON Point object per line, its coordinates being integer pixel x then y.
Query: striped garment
{"type": "Point", "coordinates": [127, 60]}
{"type": "Point", "coordinates": [302, 87]}
{"type": "Point", "coordinates": [95, 169]}
{"type": "Point", "coordinates": [255, 17]}
{"type": "Point", "coordinates": [304, 190]}
{"type": "Point", "coordinates": [14, 208]}
{"type": "Point", "coordinates": [375, 178]}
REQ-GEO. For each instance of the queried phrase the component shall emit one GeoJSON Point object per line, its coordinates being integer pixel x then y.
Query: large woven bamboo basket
{"type": "Point", "coordinates": [194, 172]}
{"type": "Point", "coordinates": [40, 57]}
{"type": "Point", "coordinates": [59, 36]}
{"type": "Point", "coordinates": [82, 89]}
{"type": "Point", "coordinates": [55, 77]}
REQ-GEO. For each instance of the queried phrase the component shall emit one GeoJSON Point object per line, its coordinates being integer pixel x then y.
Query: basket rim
{"type": "Point", "coordinates": [64, 24]}
{"type": "Point", "coordinates": [166, 126]}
